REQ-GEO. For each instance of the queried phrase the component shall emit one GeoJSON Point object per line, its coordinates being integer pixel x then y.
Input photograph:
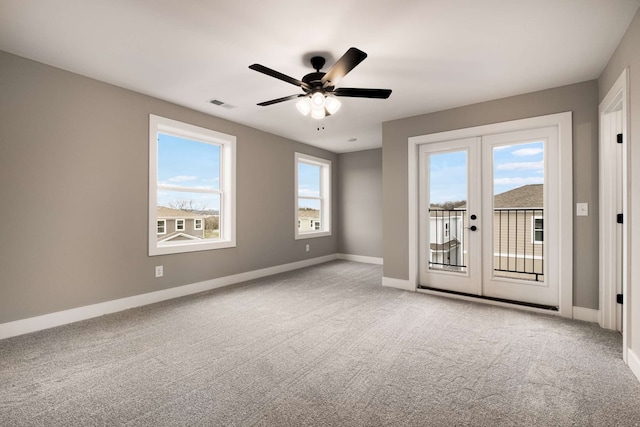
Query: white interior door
{"type": "Point", "coordinates": [449, 215]}
{"type": "Point", "coordinates": [489, 215]}
{"type": "Point", "coordinates": [520, 216]}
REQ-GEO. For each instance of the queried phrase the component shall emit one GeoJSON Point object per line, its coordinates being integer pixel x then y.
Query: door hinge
{"type": "Point", "coordinates": [619, 218]}
{"type": "Point", "coordinates": [619, 299]}
{"type": "Point", "coordinates": [619, 138]}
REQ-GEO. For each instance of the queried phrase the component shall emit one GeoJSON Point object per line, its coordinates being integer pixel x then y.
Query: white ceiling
{"type": "Point", "coordinates": [433, 54]}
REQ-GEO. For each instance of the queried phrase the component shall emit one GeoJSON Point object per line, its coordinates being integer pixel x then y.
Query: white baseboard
{"type": "Point", "coordinates": [361, 258]}
{"type": "Point", "coordinates": [634, 363]}
{"type": "Point", "coordinates": [398, 283]}
{"type": "Point", "coordinates": [46, 321]}
{"type": "Point", "coordinates": [586, 314]}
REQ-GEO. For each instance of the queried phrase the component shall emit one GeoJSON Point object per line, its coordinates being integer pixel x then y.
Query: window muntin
{"type": "Point", "coordinates": [162, 226]}
{"type": "Point", "coordinates": [191, 176]}
{"type": "Point", "coordinates": [312, 196]}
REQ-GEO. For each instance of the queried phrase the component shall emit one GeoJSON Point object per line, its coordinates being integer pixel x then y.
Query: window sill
{"type": "Point", "coordinates": [312, 235]}
{"type": "Point", "coordinates": [191, 247]}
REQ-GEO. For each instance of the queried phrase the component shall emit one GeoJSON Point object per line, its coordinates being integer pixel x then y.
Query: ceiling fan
{"type": "Point", "coordinates": [319, 88]}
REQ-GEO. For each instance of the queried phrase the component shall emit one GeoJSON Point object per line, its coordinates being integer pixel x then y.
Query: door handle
{"type": "Point", "coordinates": [472, 228]}
{"type": "Point", "coordinates": [473, 217]}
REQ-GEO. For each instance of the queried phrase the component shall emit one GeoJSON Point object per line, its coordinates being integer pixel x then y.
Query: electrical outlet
{"type": "Point", "coordinates": [307, 248]}
{"type": "Point", "coordinates": [159, 271]}
{"type": "Point", "coordinates": [582, 209]}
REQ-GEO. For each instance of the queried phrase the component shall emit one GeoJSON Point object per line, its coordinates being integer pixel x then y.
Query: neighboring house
{"type": "Point", "coordinates": [518, 238]}
{"type": "Point", "coordinates": [518, 234]}
{"type": "Point", "coordinates": [308, 219]}
{"type": "Point", "coordinates": [178, 224]}
{"type": "Point", "coordinates": [447, 240]}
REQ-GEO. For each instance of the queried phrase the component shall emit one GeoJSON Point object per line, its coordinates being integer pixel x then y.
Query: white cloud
{"type": "Point", "coordinates": [305, 191]}
{"type": "Point", "coordinates": [521, 166]}
{"type": "Point", "coordinates": [183, 178]}
{"type": "Point", "coordinates": [502, 147]}
{"type": "Point", "coordinates": [519, 180]}
{"type": "Point", "coordinates": [527, 152]}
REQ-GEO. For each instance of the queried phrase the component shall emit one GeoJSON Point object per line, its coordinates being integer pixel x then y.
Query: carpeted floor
{"type": "Point", "coordinates": [322, 346]}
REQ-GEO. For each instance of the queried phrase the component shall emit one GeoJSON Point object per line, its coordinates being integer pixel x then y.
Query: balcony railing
{"type": "Point", "coordinates": [448, 245]}
{"type": "Point", "coordinates": [518, 242]}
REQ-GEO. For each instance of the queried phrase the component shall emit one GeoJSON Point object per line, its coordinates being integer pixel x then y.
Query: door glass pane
{"type": "Point", "coordinates": [448, 211]}
{"type": "Point", "coordinates": [518, 211]}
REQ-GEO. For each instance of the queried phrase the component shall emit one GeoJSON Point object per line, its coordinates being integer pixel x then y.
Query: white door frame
{"type": "Point", "coordinates": [565, 135]}
{"type": "Point", "coordinates": [615, 100]}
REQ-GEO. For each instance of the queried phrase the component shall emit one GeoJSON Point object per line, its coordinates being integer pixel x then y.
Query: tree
{"type": "Point", "coordinates": [186, 205]}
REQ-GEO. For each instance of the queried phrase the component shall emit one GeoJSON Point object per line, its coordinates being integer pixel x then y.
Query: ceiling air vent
{"type": "Point", "coordinates": [222, 104]}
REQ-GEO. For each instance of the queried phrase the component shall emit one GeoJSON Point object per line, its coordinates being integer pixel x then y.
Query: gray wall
{"type": "Point", "coordinates": [581, 99]}
{"type": "Point", "coordinates": [628, 55]}
{"type": "Point", "coordinates": [360, 203]}
{"type": "Point", "coordinates": [74, 192]}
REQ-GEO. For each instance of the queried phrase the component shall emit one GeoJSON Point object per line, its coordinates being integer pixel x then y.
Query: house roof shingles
{"type": "Point", "coordinates": [527, 196]}
{"type": "Point", "coordinates": [309, 213]}
{"type": "Point", "coordinates": [165, 212]}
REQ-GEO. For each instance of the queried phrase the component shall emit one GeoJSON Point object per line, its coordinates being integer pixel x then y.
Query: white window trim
{"type": "Point", "coordinates": [227, 145]}
{"type": "Point", "coordinates": [325, 196]}
{"type": "Point", "coordinates": [533, 230]}
{"type": "Point", "coordinates": [164, 226]}
{"type": "Point", "coordinates": [195, 223]}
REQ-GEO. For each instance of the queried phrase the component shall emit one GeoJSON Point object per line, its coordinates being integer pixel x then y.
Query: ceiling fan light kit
{"type": "Point", "coordinates": [319, 97]}
{"type": "Point", "coordinates": [319, 105]}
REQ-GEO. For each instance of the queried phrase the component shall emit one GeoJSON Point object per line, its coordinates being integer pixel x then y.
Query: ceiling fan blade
{"type": "Point", "coordinates": [346, 63]}
{"type": "Point", "coordinates": [275, 101]}
{"type": "Point", "coordinates": [362, 93]}
{"type": "Point", "coordinates": [278, 75]}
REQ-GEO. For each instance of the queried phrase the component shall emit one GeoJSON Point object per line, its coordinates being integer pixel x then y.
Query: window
{"type": "Point", "coordinates": [191, 173]}
{"type": "Point", "coordinates": [312, 196]}
{"type": "Point", "coordinates": [537, 229]}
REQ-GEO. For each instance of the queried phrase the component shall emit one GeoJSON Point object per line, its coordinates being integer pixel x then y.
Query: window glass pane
{"type": "Point", "coordinates": [448, 233]}
{"type": "Point", "coordinates": [518, 202]}
{"type": "Point", "coordinates": [309, 214]}
{"type": "Point", "coordinates": [308, 180]}
{"type": "Point", "coordinates": [190, 206]}
{"type": "Point", "coordinates": [186, 163]}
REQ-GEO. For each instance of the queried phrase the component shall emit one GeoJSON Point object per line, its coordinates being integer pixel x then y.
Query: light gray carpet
{"type": "Point", "coordinates": [325, 345]}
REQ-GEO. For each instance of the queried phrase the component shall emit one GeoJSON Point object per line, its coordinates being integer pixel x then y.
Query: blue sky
{"type": "Point", "coordinates": [517, 165]}
{"type": "Point", "coordinates": [513, 166]}
{"type": "Point", "coordinates": [191, 164]}
{"type": "Point", "coordinates": [308, 185]}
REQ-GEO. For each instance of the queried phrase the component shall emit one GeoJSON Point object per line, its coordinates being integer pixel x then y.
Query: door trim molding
{"type": "Point", "coordinates": [615, 100]}
{"type": "Point", "coordinates": [565, 224]}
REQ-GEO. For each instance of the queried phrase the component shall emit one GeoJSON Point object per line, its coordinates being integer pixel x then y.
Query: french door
{"type": "Point", "coordinates": [488, 219]}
